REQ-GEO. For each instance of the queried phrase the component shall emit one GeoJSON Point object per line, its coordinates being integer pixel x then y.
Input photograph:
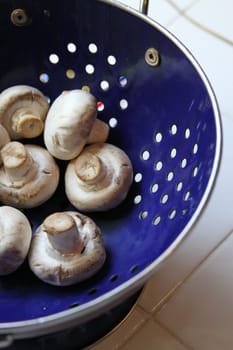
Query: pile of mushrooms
{"type": "Point", "coordinates": [67, 247]}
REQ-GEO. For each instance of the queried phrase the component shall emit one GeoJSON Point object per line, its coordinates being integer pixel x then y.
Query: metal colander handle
{"type": "Point", "coordinates": [144, 4]}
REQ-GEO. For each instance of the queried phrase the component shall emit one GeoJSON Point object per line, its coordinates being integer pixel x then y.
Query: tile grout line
{"type": "Point", "coordinates": [183, 13]}
{"type": "Point", "coordinates": [179, 340]}
{"type": "Point", "coordinates": [165, 299]}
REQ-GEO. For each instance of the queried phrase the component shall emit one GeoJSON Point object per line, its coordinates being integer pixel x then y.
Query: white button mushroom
{"type": "Point", "coordinates": [28, 175]}
{"type": "Point", "coordinates": [99, 178]}
{"type": "Point", "coordinates": [15, 238]}
{"type": "Point", "coordinates": [71, 123]}
{"type": "Point", "coordinates": [67, 248]}
{"type": "Point", "coordinates": [22, 111]}
{"type": "Point", "coordinates": [4, 139]}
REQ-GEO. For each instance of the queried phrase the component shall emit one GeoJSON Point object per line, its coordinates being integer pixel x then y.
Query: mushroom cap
{"type": "Point", "coordinates": [57, 268]}
{"type": "Point", "coordinates": [23, 110]}
{"type": "Point", "coordinates": [69, 123]}
{"type": "Point", "coordinates": [99, 178]}
{"type": "Point", "coordinates": [15, 238]}
{"type": "Point", "coordinates": [38, 188]}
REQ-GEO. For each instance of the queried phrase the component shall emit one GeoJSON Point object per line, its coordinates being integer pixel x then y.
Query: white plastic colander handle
{"type": "Point", "coordinates": [144, 4]}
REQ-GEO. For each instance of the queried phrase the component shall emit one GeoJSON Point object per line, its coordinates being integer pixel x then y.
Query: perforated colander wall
{"type": "Point", "coordinates": [161, 116]}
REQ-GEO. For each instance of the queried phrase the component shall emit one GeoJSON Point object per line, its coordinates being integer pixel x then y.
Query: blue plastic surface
{"type": "Point", "coordinates": [161, 116]}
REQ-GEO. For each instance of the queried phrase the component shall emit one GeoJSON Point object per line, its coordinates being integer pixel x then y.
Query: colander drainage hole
{"type": "Point", "coordinates": [71, 47]}
{"type": "Point", "coordinates": [70, 74]}
{"type": "Point", "coordinates": [179, 186]}
{"type": "Point", "coordinates": [173, 129]}
{"type": "Point", "coordinates": [44, 78]}
{"type": "Point", "coordinates": [113, 278]}
{"type": "Point", "coordinates": [159, 165]}
{"type": "Point", "coordinates": [123, 81]}
{"type": "Point", "coordinates": [134, 268]}
{"type": "Point", "coordinates": [170, 176]}
{"type": "Point", "coordinates": [123, 104]}
{"type": "Point", "coordinates": [113, 122]}
{"type": "Point", "coordinates": [90, 69]}
{"type": "Point", "coordinates": [111, 60]}
{"type": "Point", "coordinates": [195, 148]}
{"type": "Point", "coordinates": [143, 215]}
{"type": "Point", "coordinates": [100, 106]}
{"type": "Point", "coordinates": [145, 155]}
{"type": "Point", "coordinates": [104, 84]}
{"type": "Point", "coordinates": [137, 199]}
{"type": "Point", "coordinates": [138, 177]}
{"type": "Point", "coordinates": [92, 48]}
{"type": "Point", "coordinates": [92, 291]}
{"type": "Point", "coordinates": [156, 220]}
{"type": "Point", "coordinates": [53, 58]}
{"type": "Point", "coordinates": [195, 171]}
{"type": "Point", "coordinates": [187, 133]}
{"type": "Point", "coordinates": [158, 137]}
{"type": "Point", "coordinates": [74, 305]}
{"type": "Point", "coordinates": [154, 188]}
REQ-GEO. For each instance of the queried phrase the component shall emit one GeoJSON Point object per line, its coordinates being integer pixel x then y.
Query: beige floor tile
{"type": "Point", "coordinates": [153, 337]}
{"type": "Point", "coordinates": [214, 17]}
{"type": "Point", "coordinates": [201, 312]}
{"type": "Point", "coordinates": [122, 332]}
{"type": "Point", "coordinates": [214, 56]}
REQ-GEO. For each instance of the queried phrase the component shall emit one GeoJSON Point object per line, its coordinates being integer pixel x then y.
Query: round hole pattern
{"type": "Point", "coordinates": [100, 106]}
{"type": "Point", "coordinates": [104, 84]}
{"type": "Point", "coordinates": [187, 133]}
{"type": "Point", "coordinates": [173, 129]}
{"type": "Point", "coordinates": [158, 137]}
{"type": "Point", "coordinates": [172, 214]}
{"type": "Point", "coordinates": [123, 104]}
{"type": "Point", "coordinates": [113, 122]}
{"type": "Point", "coordinates": [156, 220]}
{"type": "Point", "coordinates": [195, 148]}
{"type": "Point", "coordinates": [143, 215]}
{"type": "Point", "coordinates": [154, 188]}
{"type": "Point", "coordinates": [90, 69]}
{"type": "Point", "coordinates": [70, 74]}
{"type": "Point", "coordinates": [134, 268]}
{"type": "Point", "coordinates": [44, 78]}
{"type": "Point", "coordinates": [170, 176]}
{"type": "Point", "coordinates": [53, 58]}
{"type": "Point", "coordinates": [164, 198]}
{"type": "Point", "coordinates": [173, 153]}
{"type": "Point", "coordinates": [71, 47]}
{"type": "Point", "coordinates": [183, 163]}
{"type": "Point", "coordinates": [113, 278]}
{"type": "Point", "coordinates": [137, 199]}
{"type": "Point", "coordinates": [186, 195]}
{"type": "Point", "coordinates": [159, 165]}
{"type": "Point", "coordinates": [93, 48]}
{"type": "Point", "coordinates": [138, 177]}
{"type": "Point", "coordinates": [145, 155]}
{"type": "Point", "coordinates": [111, 60]}
{"type": "Point", "coordinates": [123, 81]}
{"type": "Point", "coordinates": [195, 171]}
{"type": "Point", "coordinates": [179, 186]}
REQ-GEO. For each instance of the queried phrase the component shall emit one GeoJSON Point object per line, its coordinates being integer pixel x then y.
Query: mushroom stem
{"type": "Point", "coordinates": [17, 161]}
{"type": "Point", "coordinates": [63, 234]}
{"type": "Point", "coordinates": [90, 169]}
{"type": "Point", "coordinates": [27, 125]}
{"type": "Point", "coordinates": [4, 139]}
{"type": "Point", "coordinates": [99, 132]}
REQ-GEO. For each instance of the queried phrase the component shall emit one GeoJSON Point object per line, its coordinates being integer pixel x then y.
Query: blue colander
{"type": "Point", "coordinates": [161, 110]}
